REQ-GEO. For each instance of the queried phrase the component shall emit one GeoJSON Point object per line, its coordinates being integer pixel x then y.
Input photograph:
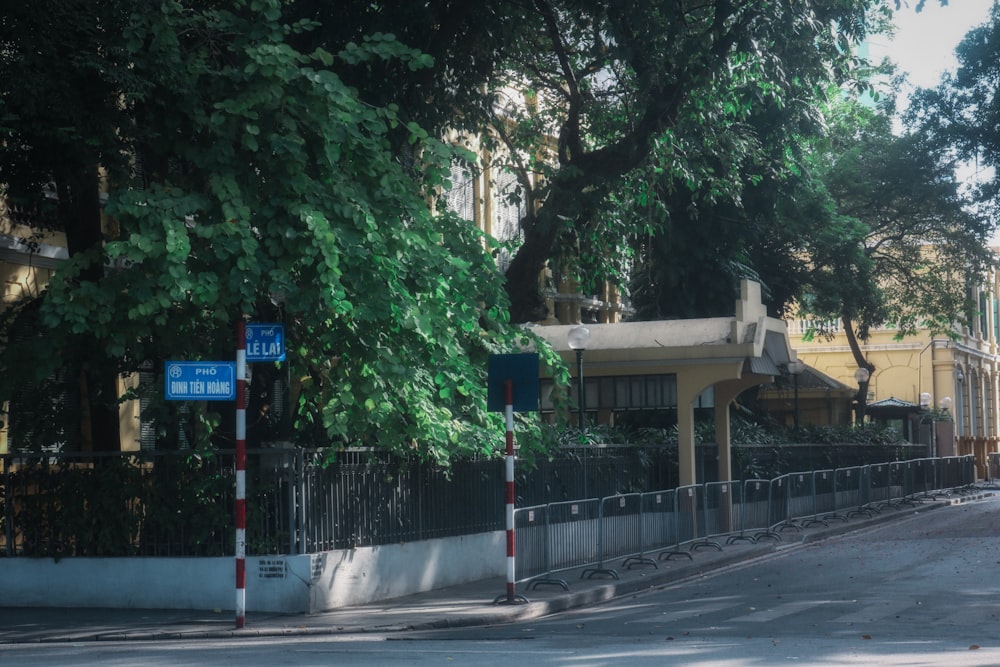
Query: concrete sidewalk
{"type": "Point", "coordinates": [458, 606]}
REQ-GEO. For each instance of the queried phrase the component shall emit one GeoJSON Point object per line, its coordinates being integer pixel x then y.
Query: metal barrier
{"type": "Point", "coordinates": [532, 549]}
{"type": "Point", "coordinates": [756, 513]}
{"type": "Point", "coordinates": [824, 505]}
{"type": "Point", "coordinates": [619, 535]}
{"type": "Point", "coordinates": [901, 483]}
{"type": "Point", "coordinates": [993, 467]}
{"type": "Point", "coordinates": [800, 500]}
{"type": "Point", "coordinates": [595, 534]}
{"type": "Point", "coordinates": [925, 479]}
{"type": "Point", "coordinates": [660, 524]}
{"type": "Point", "coordinates": [554, 538]}
{"type": "Point", "coordinates": [850, 492]}
{"type": "Point", "coordinates": [879, 482]}
{"type": "Point", "coordinates": [719, 502]}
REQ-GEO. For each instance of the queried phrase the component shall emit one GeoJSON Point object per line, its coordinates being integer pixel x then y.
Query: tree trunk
{"type": "Point", "coordinates": [861, 400]}
{"type": "Point", "coordinates": [80, 215]}
{"type": "Point", "coordinates": [574, 195]}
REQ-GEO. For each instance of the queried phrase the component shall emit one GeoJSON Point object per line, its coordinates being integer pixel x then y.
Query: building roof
{"type": "Point", "coordinates": [750, 342]}
{"type": "Point", "coordinates": [813, 378]}
{"type": "Point", "coordinates": [892, 402]}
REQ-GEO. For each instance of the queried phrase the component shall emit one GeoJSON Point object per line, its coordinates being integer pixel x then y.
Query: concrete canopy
{"type": "Point", "coordinates": [728, 354]}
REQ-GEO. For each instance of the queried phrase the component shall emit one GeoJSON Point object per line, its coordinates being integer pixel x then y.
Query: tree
{"type": "Point", "coordinates": [727, 201]}
{"type": "Point", "coordinates": [263, 186]}
{"type": "Point", "coordinates": [58, 130]}
{"type": "Point", "coordinates": [962, 114]}
{"type": "Point", "coordinates": [613, 80]}
{"type": "Point", "coordinates": [268, 159]}
{"type": "Point", "coordinates": [908, 247]}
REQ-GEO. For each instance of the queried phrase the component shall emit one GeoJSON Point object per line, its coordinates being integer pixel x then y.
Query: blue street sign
{"type": "Point", "coordinates": [265, 342]}
{"type": "Point", "coordinates": [200, 381]}
{"type": "Point", "coordinates": [522, 371]}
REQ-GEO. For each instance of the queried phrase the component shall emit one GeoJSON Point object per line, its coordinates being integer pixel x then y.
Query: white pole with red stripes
{"type": "Point", "coordinates": [241, 474]}
{"type": "Point", "coordinates": [511, 597]}
{"type": "Point", "coordinates": [509, 415]}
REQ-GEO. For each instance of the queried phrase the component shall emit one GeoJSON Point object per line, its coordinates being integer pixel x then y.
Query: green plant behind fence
{"type": "Point", "coordinates": [181, 504]}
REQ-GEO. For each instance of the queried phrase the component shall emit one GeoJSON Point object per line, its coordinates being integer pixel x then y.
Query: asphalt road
{"type": "Point", "coordinates": [921, 591]}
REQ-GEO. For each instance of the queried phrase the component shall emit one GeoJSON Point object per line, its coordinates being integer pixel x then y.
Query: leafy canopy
{"type": "Point", "coordinates": [262, 186]}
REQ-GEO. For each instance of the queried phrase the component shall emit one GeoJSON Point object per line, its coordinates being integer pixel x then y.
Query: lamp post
{"type": "Point", "coordinates": [861, 376]}
{"type": "Point", "coordinates": [578, 337]}
{"type": "Point", "coordinates": [925, 414]}
{"type": "Point", "coordinates": [960, 403]}
{"type": "Point", "coordinates": [795, 368]}
{"type": "Point", "coordinates": [944, 430]}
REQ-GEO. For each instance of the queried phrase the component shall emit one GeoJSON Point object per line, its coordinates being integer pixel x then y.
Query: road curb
{"type": "Point", "coordinates": [466, 613]}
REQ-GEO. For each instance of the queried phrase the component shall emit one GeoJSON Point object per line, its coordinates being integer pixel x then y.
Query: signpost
{"type": "Point", "coordinates": [512, 383]}
{"type": "Point", "coordinates": [227, 381]}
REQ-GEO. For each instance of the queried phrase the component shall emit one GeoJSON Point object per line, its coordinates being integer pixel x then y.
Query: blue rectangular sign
{"type": "Point", "coordinates": [200, 380]}
{"type": "Point", "coordinates": [522, 371]}
{"type": "Point", "coordinates": [265, 342]}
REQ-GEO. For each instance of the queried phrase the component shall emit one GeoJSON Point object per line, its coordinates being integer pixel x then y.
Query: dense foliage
{"type": "Point", "coordinates": [280, 160]}
{"type": "Point", "coordinates": [261, 186]}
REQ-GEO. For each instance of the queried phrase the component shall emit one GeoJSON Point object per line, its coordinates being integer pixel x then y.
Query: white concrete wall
{"type": "Point", "coordinates": [289, 584]}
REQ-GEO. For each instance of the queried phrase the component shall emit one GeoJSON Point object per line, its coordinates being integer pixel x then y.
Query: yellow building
{"type": "Point", "coordinates": [942, 376]}
{"type": "Point", "coordinates": [29, 254]}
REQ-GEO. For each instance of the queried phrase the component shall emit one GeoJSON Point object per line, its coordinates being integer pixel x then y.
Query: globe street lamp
{"type": "Point", "coordinates": [578, 337]}
{"type": "Point", "coordinates": [960, 401]}
{"type": "Point", "coordinates": [944, 430]}
{"type": "Point", "coordinates": [861, 376]}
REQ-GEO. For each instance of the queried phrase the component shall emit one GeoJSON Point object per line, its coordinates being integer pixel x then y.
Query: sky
{"type": "Point", "coordinates": [925, 41]}
{"type": "Point", "coordinates": [924, 47]}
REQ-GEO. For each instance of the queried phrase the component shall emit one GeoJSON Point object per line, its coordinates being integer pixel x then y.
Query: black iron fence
{"type": "Point", "coordinates": [181, 503]}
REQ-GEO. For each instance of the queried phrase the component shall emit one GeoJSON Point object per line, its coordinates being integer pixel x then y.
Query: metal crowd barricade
{"type": "Point", "coordinates": [677, 526]}
{"type": "Point", "coordinates": [532, 554]}
{"type": "Point", "coordinates": [966, 478]}
{"type": "Point", "coordinates": [570, 540]}
{"type": "Point", "coordinates": [879, 486]}
{"type": "Point", "coordinates": [949, 472]}
{"type": "Point", "coordinates": [588, 534]}
{"type": "Point", "coordinates": [620, 534]}
{"type": "Point", "coordinates": [824, 499]}
{"type": "Point", "coordinates": [992, 467]}
{"type": "Point", "coordinates": [847, 485]}
{"type": "Point", "coordinates": [925, 479]}
{"type": "Point", "coordinates": [864, 505]}
{"type": "Point", "coordinates": [778, 517]}
{"type": "Point", "coordinates": [720, 506]}
{"type": "Point", "coordinates": [658, 510]}
{"type": "Point", "coordinates": [800, 499]}
{"type": "Point", "coordinates": [901, 483]}
{"type": "Point", "coordinates": [756, 512]}
{"type": "Point", "coordinates": [698, 518]}
{"type": "Point", "coordinates": [688, 502]}
{"type": "Point", "coordinates": [970, 472]}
